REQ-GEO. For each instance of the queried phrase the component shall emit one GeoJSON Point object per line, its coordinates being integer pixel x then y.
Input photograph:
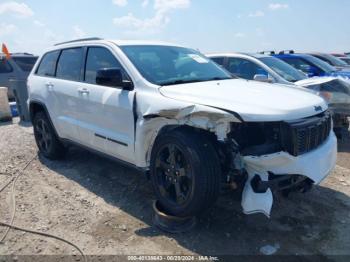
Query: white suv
{"type": "Point", "coordinates": [171, 111]}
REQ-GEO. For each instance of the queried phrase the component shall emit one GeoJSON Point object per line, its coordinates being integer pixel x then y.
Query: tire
{"type": "Point", "coordinates": [197, 173]}
{"type": "Point", "coordinates": [46, 138]}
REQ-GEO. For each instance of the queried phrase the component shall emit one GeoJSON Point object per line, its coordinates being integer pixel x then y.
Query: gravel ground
{"type": "Point", "coordinates": [105, 209]}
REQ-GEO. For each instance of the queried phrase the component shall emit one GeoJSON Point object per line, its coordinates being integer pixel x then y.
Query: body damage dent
{"type": "Point", "coordinates": [315, 165]}
{"type": "Point", "coordinates": [152, 121]}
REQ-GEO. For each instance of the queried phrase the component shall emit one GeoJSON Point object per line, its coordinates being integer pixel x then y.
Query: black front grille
{"type": "Point", "coordinates": [302, 136]}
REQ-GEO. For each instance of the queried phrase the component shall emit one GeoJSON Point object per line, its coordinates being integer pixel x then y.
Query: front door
{"type": "Point", "coordinates": [106, 113]}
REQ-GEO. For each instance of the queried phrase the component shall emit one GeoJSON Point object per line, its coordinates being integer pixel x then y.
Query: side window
{"type": "Point", "coordinates": [218, 60]}
{"type": "Point", "coordinates": [5, 67]}
{"type": "Point", "coordinates": [98, 58]}
{"type": "Point", "coordinates": [233, 65]}
{"type": "Point", "coordinates": [69, 64]}
{"type": "Point", "coordinates": [244, 68]}
{"type": "Point", "coordinates": [48, 63]}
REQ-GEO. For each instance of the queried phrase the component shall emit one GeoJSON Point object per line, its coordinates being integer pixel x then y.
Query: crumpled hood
{"type": "Point", "coordinates": [253, 101]}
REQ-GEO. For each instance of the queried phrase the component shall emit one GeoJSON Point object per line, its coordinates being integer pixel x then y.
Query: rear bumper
{"type": "Point", "coordinates": [315, 165]}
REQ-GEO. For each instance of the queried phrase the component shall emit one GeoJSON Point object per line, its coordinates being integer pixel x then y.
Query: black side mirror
{"type": "Point", "coordinates": [112, 77]}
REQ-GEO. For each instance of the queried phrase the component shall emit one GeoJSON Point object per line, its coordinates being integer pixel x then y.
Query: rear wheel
{"type": "Point", "coordinates": [185, 173]}
{"type": "Point", "coordinates": [46, 139]}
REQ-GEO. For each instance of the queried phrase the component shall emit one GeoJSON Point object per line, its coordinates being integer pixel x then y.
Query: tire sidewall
{"type": "Point", "coordinates": [193, 160]}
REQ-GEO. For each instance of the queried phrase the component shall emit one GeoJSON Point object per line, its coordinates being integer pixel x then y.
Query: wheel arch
{"type": "Point", "coordinates": [186, 128]}
{"type": "Point", "coordinates": [38, 106]}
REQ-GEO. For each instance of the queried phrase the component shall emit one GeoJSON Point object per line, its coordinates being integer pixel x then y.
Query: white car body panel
{"type": "Point", "coordinates": [136, 117]}
{"type": "Point", "coordinates": [315, 165]}
{"type": "Point", "coordinates": [285, 104]}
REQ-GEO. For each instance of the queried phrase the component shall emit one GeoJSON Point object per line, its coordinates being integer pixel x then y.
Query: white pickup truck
{"type": "Point", "coordinates": [181, 118]}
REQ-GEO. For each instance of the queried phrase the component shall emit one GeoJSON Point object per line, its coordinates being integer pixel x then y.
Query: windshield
{"type": "Point", "coordinates": [334, 60]}
{"type": "Point", "coordinates": [285, 70]}
{"type": "Point", "coordinates": [321, 64]}
{"type": "Point", "coordinates": [346, 60]}
{"type": "Point", "coordinates": [25, 63]}
{"type": "Point", "coordinates": [167, 65]}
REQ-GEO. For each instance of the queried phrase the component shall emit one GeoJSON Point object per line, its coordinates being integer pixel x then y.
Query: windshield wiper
{"type": "Point", "coordinates": [219, 78]}
{"type": "Point", "coordinates": [181, 81]}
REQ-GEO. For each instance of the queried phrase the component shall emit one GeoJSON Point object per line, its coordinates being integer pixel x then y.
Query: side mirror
{"type": "Point", "coordinates": [262, 78]}
{"type": "Point", "coordinates": [112, 77]}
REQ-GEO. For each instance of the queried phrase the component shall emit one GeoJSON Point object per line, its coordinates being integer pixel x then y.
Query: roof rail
{"type": "Point", "coordinates": [80, 40]}
{"type": "Point", "coordinates": [267, 52]}
{"type": "Point", "coordinates": [286, 51]}
{"type": "Point", "coordinates": [24, 53]}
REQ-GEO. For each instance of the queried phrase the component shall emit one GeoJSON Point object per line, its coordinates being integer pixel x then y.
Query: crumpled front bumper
{"type": "Point", "coordinates": [316, 165]}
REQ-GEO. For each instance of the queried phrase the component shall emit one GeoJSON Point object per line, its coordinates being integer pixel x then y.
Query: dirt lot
{"type": "Point", "coordinates": [105, 208]}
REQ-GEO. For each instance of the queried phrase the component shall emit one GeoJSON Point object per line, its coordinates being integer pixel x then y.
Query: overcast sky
{"type": "Point", "coordinates": [208, 25]}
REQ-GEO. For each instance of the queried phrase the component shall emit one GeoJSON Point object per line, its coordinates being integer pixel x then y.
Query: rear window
{"type": "Point", "coordinates": [25, 63]}
{"type": "Point", "coordinates": [47, 65]}
{"type": "Point", "coordinates": [69, 64]}
{"type": "Point", "coordinates": [5, 66]}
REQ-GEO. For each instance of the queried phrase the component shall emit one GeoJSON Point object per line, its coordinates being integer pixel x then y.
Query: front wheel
{"type": "Point", "coordinates": [185, 173]}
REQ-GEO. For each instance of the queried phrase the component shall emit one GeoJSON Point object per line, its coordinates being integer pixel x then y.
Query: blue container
{"type": "Point", "coordinates": [13, 107]}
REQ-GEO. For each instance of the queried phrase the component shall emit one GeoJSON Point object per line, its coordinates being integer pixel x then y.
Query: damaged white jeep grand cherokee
{"type": "Point", "coordinates": [171, 111]}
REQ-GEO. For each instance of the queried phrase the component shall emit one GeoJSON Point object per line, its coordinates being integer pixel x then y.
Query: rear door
{"type": "Point", "coordinates": [64, 92]}
{"type": "Point", "coordinates": [106, 113]}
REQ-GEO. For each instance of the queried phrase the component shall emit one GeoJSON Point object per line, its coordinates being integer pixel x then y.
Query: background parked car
{"type": "Point", "coordinates": [17, 67]}
{"type": "Point", "coordinates": [337, 94]}
{"type": "Point", "coordinates": [311, 65]}
{"type": "Point", "coordinates": [332, 60]}
{"type": "Point", "coordinates": [258, 67]}
{"type": "Point", "coordinates": [346, 59]}
{"type": "Point", "coordinates": [338, 54]}
{"type": "Point", "coordinates": [261, 67]}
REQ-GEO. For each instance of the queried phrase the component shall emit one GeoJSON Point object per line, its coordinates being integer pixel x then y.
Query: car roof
{"type": "Point", "coordinates": [293, 55]}
{"type": "Point", "coordinates": [142, 42]}
{"type": "Point", "coordinates": [320, 54]}
{"type": "Point", "coordinates": [19, 55]}
{"type": "Point", "coordinates": [89, 41]}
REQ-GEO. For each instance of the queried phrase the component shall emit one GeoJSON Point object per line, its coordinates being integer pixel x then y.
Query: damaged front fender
{"type": "Point", "coordinates": [154, 118]}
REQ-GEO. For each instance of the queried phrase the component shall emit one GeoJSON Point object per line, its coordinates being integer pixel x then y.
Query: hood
{"type": "Point", "coordinates": [253, 101]}
{"type": "Point", "coordinates": [314, 81]}
{"type": "Point", "coordinates": [345, 73]}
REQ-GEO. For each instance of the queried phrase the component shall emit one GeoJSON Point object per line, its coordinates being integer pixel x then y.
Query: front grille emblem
{"type": "Point", "coordinates": [318, 108]}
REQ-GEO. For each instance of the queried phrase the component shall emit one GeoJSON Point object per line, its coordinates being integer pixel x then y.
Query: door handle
{"type": "Point", "coordinates": [83, 91]}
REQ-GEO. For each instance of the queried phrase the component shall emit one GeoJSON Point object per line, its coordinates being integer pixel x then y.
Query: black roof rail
{"type": "Point", "coordinates": [286, 51]}
{"type": "Point", "coordinates": [80, 40]}
{"type": "Point", "coordinates": [267, 52]}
